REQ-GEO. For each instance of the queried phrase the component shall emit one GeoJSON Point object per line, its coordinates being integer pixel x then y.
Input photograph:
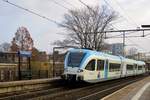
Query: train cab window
{"type": "Point", "coordinates": [91, 65]}
{"type": "Point", "coordinates": [114, 67]}
{"type": "Point", "coordinates": [100, 65]}
{"type": "Point", "coordinates": [130, 67]}
{"type": "Point", "coordinates": [75, 58]}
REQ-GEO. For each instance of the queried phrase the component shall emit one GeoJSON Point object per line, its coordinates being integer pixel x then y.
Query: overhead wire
{"type": "Point", "coordinates": [86, 5]}
{"type": "Point", "coordinates": [113, 10]}
{"type": "Point", "coordinates": [109, 5]}
{"type": "Point", "coordinates": [32, 12]}
{"type": "Point", "coordinates": [68, 3]}
{"type": "Point", "coordinates": [136, 44]}
{"type": "Point", "coordinates": [147, 34]}
{"type": "Point", "coordinates": [59, 4]}
{"type": "Point", "coordinates": [129, 17]}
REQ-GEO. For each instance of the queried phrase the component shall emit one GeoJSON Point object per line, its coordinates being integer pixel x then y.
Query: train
{"type": "Point", "coordinates": [94, 66]}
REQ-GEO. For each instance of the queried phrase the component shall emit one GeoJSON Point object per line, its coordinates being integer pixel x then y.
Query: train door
{"type": "Point", "coordinates": [144, 67]}
{"type": "Point", "coordinates": [123, 69]}
{"type": "Point", "coordinates": [90, 72]}
{"type": "Point", "coordinates": [100, 69]}
{"type": "Point", "coordinates": [106, 69]}
{"type": "Point", "coordinates": [135, 69]}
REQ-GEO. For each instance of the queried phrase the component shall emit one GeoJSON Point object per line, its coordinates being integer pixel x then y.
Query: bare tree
{"type": "Point", "coordinates": [85, 27]}
{"type": "Point", "coordinates": [22, 40]}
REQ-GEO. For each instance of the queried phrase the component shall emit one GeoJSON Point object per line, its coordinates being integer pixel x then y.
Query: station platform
{"type": "Point", "coordinates": [136, 91]}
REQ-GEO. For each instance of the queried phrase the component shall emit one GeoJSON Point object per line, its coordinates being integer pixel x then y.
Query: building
{"type": "Point", "coordinates": [8, 66]}
{"type": "Point", "coordinates": [8, 72]}
{"type": "Point", "coordinates": [8, 57]}
{"type": "Point", "coordinates": [117, 49]}
{"type": "Point", "coordinates": [139, 56]}
{"type": "Point", "coordinates": [114, 49]}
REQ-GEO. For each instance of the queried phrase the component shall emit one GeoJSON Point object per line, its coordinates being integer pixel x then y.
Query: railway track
{"type": "Point", "coordinates": [51, 88]}
{"type": "Point", "coordinates": [74, 91]}
{"type": "Point", "coordinates": [91, 92]}
{"type": "Point", "coordinates": [53, 85]}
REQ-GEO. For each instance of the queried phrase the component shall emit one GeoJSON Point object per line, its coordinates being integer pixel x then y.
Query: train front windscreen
{"type": "Point", "coordinates": [75, 58]}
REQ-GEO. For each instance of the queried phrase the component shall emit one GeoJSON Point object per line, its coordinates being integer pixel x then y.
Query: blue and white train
{"type": "Point", "coordinates": [93, 66]}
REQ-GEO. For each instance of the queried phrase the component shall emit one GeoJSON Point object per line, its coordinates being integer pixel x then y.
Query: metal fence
{"type": "Point", "coordinates": [9, 75]}
{"type": "Point", "coordinates": [39, 74]}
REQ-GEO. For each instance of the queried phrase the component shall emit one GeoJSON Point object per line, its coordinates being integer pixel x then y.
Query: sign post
{"type": "Point", "coordinates": [24, 54]}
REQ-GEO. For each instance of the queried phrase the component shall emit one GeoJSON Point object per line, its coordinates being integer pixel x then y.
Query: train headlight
{"type": "Point", "coordinates": [80, 70]}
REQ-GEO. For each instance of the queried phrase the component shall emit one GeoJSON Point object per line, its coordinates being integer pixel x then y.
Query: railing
{"type": "Point", "coordinates": [9, 75]}
{"type": "Point", "coordinates": [24, 85]}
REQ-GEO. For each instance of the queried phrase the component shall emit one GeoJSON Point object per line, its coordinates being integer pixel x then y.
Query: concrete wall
{"type": "Point", "coordinates": [16, 86]}
{"type": "Point", "coordinates": [8, 72]}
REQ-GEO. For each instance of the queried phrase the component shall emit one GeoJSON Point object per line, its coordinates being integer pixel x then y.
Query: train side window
{"type": "Point", "coordinates": [114, 67]}
{"type": "Point", "coordinates": [139, 67]}
{"type": "Point", "coordinates": [100, 65]}
{"type": "Point", "coordinates": [91, 65]}
{"type": "Point", "coordinates": [129, 67]}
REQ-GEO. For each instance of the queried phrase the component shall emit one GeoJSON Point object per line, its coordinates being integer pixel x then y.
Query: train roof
{"type": "Point", "coordinates": [107, 56]}
{"type": "Point", "coordinates": [98, 53]}
{"type": "Point", "coordinates": [140, 63]}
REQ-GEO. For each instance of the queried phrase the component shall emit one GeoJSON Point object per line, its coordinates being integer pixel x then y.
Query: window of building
{"type": "Point", "coordinates": [2, 75]}
{"type": "Point", "coordinates": [91, 65]}
{"type": "Point", "coordinates": [100, 64]}
{"type": "Point", "coordinates": [129, 67]}
{"type": "Point", "coordinates": [114, 67]}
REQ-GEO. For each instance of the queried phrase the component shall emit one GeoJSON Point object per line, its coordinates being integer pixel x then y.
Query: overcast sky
{"type": "Point", "coordinates": [132, 14]}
